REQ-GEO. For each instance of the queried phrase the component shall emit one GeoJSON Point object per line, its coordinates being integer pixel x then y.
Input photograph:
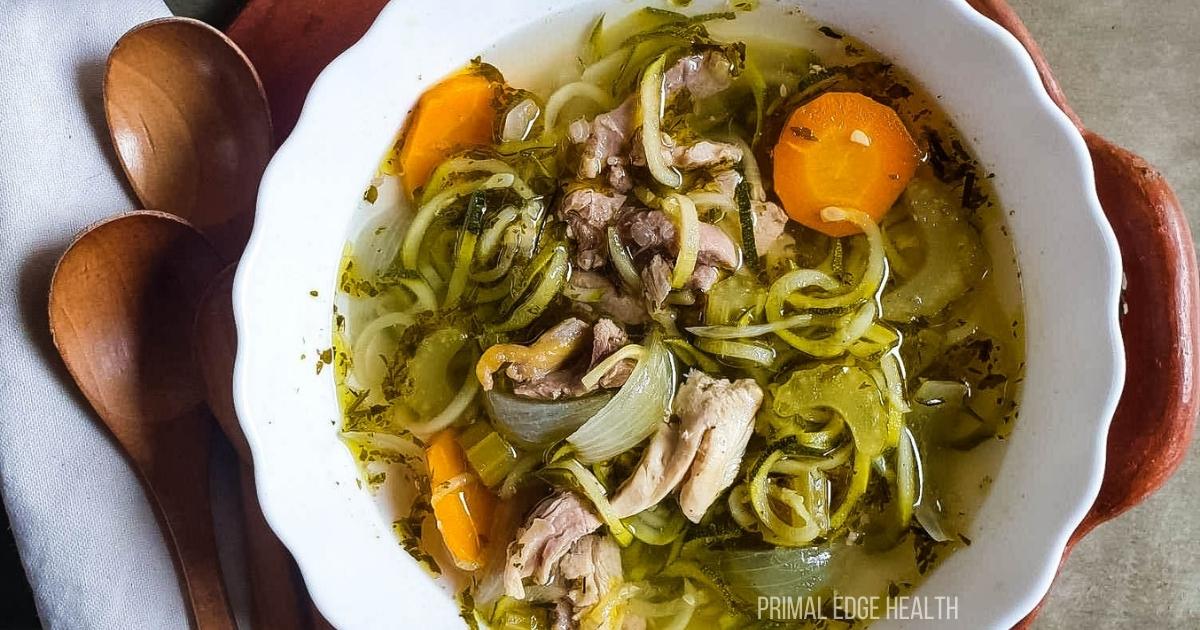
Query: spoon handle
{"type": "Point", "coordinates": [180, 486]}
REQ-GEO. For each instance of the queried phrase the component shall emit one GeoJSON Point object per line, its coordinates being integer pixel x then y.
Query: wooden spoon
{"type": "Point", "coordinates": [275, 588]}
{"type": "Point", "coordinates": [122, 303]}
{"type": "Point", "coordinates": [190, 124]}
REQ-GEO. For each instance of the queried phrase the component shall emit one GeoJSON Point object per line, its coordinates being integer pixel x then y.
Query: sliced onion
{"type": "Point", "coordinates": [530, 423]}
{"type": "Point", "coordinates": [779, 572]}
{"type": "Point", "coordinates": [634, 413]}
{"type": "Point", "coordinates": [651, 99]}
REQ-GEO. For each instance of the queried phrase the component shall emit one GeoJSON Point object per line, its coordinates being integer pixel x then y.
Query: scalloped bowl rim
{"type": "Point", "coordinates": [354, 570]}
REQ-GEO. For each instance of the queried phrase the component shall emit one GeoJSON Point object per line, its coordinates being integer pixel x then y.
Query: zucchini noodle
{"type": "Point", "coordinates": [502, 267]}
{"type": "Point", "coordinates": [363, 341]}
{"type": "Point", "coordinates": [762, 356]}
{"type": "Point", "coordinates": [858, 485]}
{"type": "Point", "coordinates": [554, 275]}
{"type": "Point", "coordinates": [453, 411]}
{"type": "Point", "coordinates": [441, 201]}
{"type": "Point", "coordinates": [458, 166]}
{"type": "Point", "coordinates": [407, 448]}
{"type": "Point", "coordinates": [490, 239]}
{"type": "Point", "coordinates": [684, 212]}
{"type": "Point", "coordinates": [468, 236]}
{"type": "Point", "coordinates": [776, 529]}
{"type": "Point", "coordinates": [622, 261]}
{"type": "Point", "coordinates": [571, 91]}
{"type": "Point", "coordinates": [756, 330]}
{"type": "Point", "coordinates": [431, 276]}
{"type": "Point", "coordinates": [652, 102]}
{"type": "Point", "coordinates": [591, 488]}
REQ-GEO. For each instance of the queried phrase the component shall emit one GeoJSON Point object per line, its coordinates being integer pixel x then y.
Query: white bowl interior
{"type": "Point", "coordinates": [307, 482]}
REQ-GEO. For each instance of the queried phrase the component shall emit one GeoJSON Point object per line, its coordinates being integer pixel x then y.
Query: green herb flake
{"type": "Point", "coordinates": [830, 33]}
{"type": "Point", "coordinates": [371, 195]}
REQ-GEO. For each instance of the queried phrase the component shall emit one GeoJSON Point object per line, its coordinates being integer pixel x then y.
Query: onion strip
{"type": "Point", "coordinates": [634, 413]}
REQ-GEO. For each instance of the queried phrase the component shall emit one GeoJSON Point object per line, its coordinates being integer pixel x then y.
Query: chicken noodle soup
{"type": "Point", "coordinates": [707, 321]}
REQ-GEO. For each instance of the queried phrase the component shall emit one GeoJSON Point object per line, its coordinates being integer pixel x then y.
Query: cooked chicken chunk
{"type": "Point", "coordinates": [703, 154]}
{"type": "Point", "coordinates": [613, 303]}
{"type": "Point", "coordinates": [607, 137]}
{"type": "Point", "coordinates": [555, 525]}
{"type": "Point", "coordinates": [653, 229]}
{"type": "Point", "coordinates": [656, 278]}
{"type": "Point", "coordinates": [553, 386]}
{"type": "Point", "coordinates": [607, 338]}
{"type": "Point", "coordinates": [702, 75]}
{"type": "Point", "coordinates": [769, 218]}
{"type": "Point", "coordinates": [588, 213]}
{"type": "Point", "coordinates": [700, 453]}
{"type": "Point", "coordinates": [590, 569]}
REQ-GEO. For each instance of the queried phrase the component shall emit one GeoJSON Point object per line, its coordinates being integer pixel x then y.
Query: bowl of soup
{"type": "Point", "coordinates": [607, 315]}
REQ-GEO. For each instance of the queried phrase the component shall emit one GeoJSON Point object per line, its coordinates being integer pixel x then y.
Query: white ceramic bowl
{"type": "Point", "coordinates": [360, 577]}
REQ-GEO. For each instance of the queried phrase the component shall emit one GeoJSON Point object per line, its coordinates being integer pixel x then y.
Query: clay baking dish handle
{"type": "Point", "coordinates": [1153, 424]}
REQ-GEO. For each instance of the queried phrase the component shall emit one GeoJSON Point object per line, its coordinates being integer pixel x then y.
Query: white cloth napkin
{"type": "Point", "coordinates": [88, 539]}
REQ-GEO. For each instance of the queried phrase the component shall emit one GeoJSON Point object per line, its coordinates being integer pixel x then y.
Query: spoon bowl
{"type": "Point", "coordinates": [122, 305]}
{"type": "Point", "coordinates": [190, 124]}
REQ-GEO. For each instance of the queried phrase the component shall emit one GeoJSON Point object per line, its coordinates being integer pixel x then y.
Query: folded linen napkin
{"type": "Point", "coordinates": [88, 539]}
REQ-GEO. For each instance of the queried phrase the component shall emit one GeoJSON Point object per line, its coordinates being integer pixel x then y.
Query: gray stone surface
{"type": "Point", "coordinates": [1131, 69]}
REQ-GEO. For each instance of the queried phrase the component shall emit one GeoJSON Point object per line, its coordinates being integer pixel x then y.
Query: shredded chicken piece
{"type": "Point", "coordinates": [609, 135]}
{"type": "Point", "coordinates": [700, 453]}
{"type": "Point", "coordinates": [703, 154]}
{"type": "Point", "coordinates": [555, 525]}
{"type": "Point", "coordinates": [591, 569]}
{"type": "Point", "coordinates": [588, 213]}
{"type": "Point", "coordinates": [553, 386]}
{"type": "Point", "coordinates": [702, 75]}
{"type": "Point", "coordinates": [653, 229]}
{"type": "Point", "coordinates": [607, 338]}
{"type": "Point", "coordinates": [613, 303]}
{"type": "Point", "coordinates": [527, 363]}
{"type": "Point", "coordinates": [769, 218]}
{"type": "Point", "coordinates": [656, 278]}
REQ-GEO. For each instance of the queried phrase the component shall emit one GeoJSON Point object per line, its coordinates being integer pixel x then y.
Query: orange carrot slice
{"type": "Point", "coordinates": [842, 149]}
{"type": "Point", "coordinates": [464, 514]}
{"type": "Point", "coordinates": [452, 115]}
